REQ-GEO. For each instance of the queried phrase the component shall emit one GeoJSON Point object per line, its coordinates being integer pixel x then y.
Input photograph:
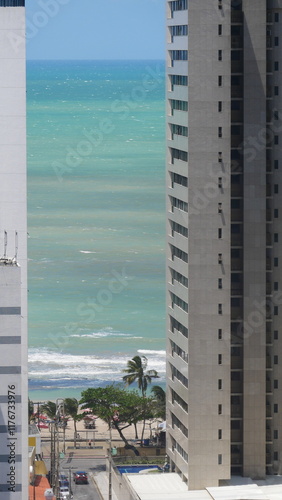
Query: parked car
{"type": "Point", "coordinates": [64, 493]}
{"type": "Point", "coordinates": [80, 477]}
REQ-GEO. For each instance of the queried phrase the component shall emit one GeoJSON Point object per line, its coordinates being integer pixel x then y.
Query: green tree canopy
{"type": "Point", "coordinates": [159, 397]}
{"type": "Point", "coordinates": [116, 406]}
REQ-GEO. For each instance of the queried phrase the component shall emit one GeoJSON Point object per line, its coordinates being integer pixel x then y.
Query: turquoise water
{"type": "Point", "coordinates": [96, 217]}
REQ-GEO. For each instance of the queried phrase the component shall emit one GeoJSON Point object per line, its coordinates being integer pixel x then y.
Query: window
{"type": "Point", "coordinates": [12, 3]}
{"type": "Point", "coordinates": [220, 55]}
{"type": "Point", "coordinates": [220, 4]}
{"type": "Point", "coordinates": [220, 283]}
{"type": "Point", "coordinates": [220, 258]}
{"type": "Point", "coordinates": [178, 228]}
{"type": "Point", "coordinates": [176, 446]}
{"type": "Point", "coordinates": [275, 286]}
{"type": "Point", "coordinates": [220, 81]}
{"type": "Point", "coordinates": [275, 238]}
{"type": "Point", "coordinates": [219, 131]}
{"type": "Point", "coordinates": [275, 334]}
{"type": "Point", "coordinates": [179, 55]}
{"type": "Point", "coordinates": [177, 399]}
{"type": "Point", "coordinates": [275, 455]}
{"type": "Point", "coordinates": [276, 90]}
{"type": "Point", "coordinates": [220, 182]}
{"type": "Point", "coordinates": [220, 359]}
{"type": "Point", "coordinates": [220, 29]}
{"type": "Point", "coordinates": [177, 154]}
{"type": "Point", "coordinates": [275, 408]}
{"type": "Point", "coordinates": [175, 349]}
{"type": "Point", "coordinates": [177, 104]}
{"type": "Point", "coordinates": [180, 204]}
{"type": "Point", "coordinates": [276, 164]}
{"type": "Point", "coordinates": [178, 130]}
{"type": "Point", "coordinates": [219, 433]}
{"type": "Point", "coordinates": [178, 5]}
{"type": "Point", "coordinates": [219, 334]}
{"type": "Point", "coordinates": [180, 254]}
{"type": "Point", "coordinates": [176, 276]}
{"type": "Point", "coordinates": [179, 376]}
{"type": "Point", "coordinates": [179, 179]}
{"type": "Point", "coordinates": [275, 384]}
{"type": "Point", "coordinates": [179, 30]}
{"type": "Point", "coordinates": [220, 459]}
{"type": "Point", "coordinates": [219, 106]}
{"type": "Point", "coordinates": [276, 213]}
{"type": "Point", "coordinates": [177, 423]}
{"type": "Point", "coordinates": [178, 80]}
{"type": "Point", "coordinates": [275, 360]}
{"type": "Point", "coordinates": [276, 65]}
{"type": "Point", "coordinates": [175, 325]}
{"type": "Point", "coordinates": [276, 41]}
{"type": "Point", "coordinates": [275, 188]}
{"type": "Point", "coordinates": [219, 308]}
{"type": "Point", "coordinates": [175, 300]}
{"type": "Point", "coordinates": [219, 233]}
{"type": "Point", "coordinates": [276, 17]}
{"type": "Point", "coordinates": [220, 157]}
{"type": "Point", "coordinates": [219, 383]}
{"type": "Point", "coordinates": [275, 312]}
{"type": "Point", "coordinates": [276, 139]}
{"type": "Point", "coordinates": [220, 409]}
{"type": "Point", "coordinates": [275, 261]}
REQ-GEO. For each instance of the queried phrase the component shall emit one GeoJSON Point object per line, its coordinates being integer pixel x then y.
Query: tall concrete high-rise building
{"type": "Point", "coordinates": [14, 474]}
{"type": "Point", "coordinates": [224, 259]}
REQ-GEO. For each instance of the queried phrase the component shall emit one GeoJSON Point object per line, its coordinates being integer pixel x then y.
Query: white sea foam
{"type": "Point", "coordinates": [46, 364]}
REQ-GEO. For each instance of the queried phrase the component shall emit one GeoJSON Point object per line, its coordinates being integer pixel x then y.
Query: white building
{"type": "Point", "coordinates": [14, 472]}
{"type": "Point", "coordinates": [224, 367]}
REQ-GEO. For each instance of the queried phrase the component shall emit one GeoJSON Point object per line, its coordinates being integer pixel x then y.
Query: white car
{"type": "Point", "coordinates": [64, 493]}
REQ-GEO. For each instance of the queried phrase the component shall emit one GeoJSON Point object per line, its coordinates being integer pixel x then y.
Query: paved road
{"type": "Point", "coordinates": [92, 465]}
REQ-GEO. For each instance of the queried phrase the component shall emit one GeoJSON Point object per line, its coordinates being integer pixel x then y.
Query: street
{"type": "Point", "coordinates": [89, 464]}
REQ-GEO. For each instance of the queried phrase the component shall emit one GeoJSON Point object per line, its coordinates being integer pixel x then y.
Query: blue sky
{"type": "Point", "coordinates": [95, 29]}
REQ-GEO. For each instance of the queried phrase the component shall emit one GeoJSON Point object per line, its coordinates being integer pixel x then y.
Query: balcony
{"type": "Point", "coordinates": [236, 190]}
{"type": "Point", "coordinates": [236, 42]}
{"type": "Point", "coordinates": [236, 240]}
{"type": "Point", "coordinates": [237, 91]}
{"type": "Point", "coordinates": [237, 66]}
{"type": "Point", "coordinates": [268, 386]}
{"type": "Point", "coordinates": [269, 239]}
{"type": "Point", "coordinates": [236, 387]}
{"type": "Point", "coordinates": [268, 412]}
{"type": "Point", "coordinates": [236, 264]}
{"type": "Point", "coordinates": [236, 17]}
{"type": "Point", "coordinates": [236, 362]}
{"type": "Point", "coordinates": [268, 288]}
{"type": "Point", "coordinates": [236, 215]}
{"type": "Point", "coordinates": [236, 436]}
{"type": "Point", "coordinates": [236, 411]}
{"type": "Point", "coordinates": [237, 116]}
{"type": "Point", "coordinates": [236, 289]}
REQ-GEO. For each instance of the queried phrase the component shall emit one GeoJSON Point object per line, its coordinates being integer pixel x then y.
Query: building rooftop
{"type": "Point", "coordinates": [171, 487]}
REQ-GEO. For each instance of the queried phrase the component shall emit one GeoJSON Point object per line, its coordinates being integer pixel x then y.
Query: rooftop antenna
{"type": "Point", "coordinates": [5, 244]}
{"type": "Point", "coordinates": [16, 246]}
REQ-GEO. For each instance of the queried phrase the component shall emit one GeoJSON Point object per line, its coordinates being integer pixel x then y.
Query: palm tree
{"type": "Point", "coordinates": [71, 407]}
{"type": "Point", "coordinates": [159, 396]}
{"type": "Point", "coordinates": [50, 409]}
{"type": "Point", "coordinates": [136, 372]}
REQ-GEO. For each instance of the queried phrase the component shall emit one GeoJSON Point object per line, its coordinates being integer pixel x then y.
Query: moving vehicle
{"type": "Point", "coordinates": [80, 477]}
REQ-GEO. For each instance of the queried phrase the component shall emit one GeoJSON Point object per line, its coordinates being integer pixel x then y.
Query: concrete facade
{"type": "Point", "coordinates": [13, 234]}
{"type": "Point", "coordinates": [223, 287]}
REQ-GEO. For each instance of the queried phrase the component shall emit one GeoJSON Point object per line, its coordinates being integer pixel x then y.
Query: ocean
{"type": "Point", "coordinates": [96, 222]}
